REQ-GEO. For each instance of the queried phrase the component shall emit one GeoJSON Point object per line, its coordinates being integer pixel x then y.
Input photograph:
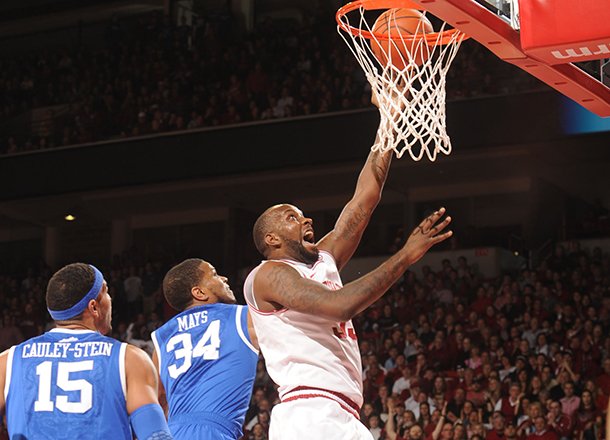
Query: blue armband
{"type": "Point", "coordinates": [148, 423]}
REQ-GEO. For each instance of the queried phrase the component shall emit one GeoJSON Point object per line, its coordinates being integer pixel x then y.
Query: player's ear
{"type": "Point", "coordinates": [272, 240]}
{"type": "Point", "coordinates": [200, 294]}
{"type": "Point", "coordinates": [93, 307]}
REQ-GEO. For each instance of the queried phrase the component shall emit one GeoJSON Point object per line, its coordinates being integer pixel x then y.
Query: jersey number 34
{"type": "Point", "coordinates": [182, 345]}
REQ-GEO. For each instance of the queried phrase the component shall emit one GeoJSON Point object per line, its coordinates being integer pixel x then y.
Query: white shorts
{"type": "Point", "coordinates": [315, 418]}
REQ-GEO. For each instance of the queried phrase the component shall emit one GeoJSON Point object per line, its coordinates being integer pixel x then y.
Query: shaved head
{"type": "Point", "coordinates": [264, 224]}
{"type": "Point", "coordinates": [290, 231]}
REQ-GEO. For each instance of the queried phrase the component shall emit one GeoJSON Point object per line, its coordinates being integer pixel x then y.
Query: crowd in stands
{"type": "Point", "coordinates": [152, 76]}
{"type": "Point", "coordinates": [447, 354]}
{"type": "Point", "coordinates": [452, 355]}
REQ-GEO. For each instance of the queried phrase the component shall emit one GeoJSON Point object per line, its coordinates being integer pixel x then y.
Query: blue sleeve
{"type": "Point", "coordinates": [148, 423]}
{"type": "Point", "coordinates": [244, 322]}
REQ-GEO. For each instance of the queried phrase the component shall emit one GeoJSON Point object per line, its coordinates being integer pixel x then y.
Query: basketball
{"type": "Point", "coordinates": [406, 22]}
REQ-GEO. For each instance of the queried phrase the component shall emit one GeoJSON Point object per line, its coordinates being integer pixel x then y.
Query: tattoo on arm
{"type": "Point", "coordinates": [357, 213]}
{"type": "Point", "coordinates": [425, 227]}
{"type": "Point", "coordinates": [366, 290]}
{"type": "Point", "coordinates": [281, 282]}
{"type": "Point", "coordinates": [352, 225]}
{"type": "Point", "coordinates": [380, 166]}
{"type": "Point", "coordinates": [311, 297]}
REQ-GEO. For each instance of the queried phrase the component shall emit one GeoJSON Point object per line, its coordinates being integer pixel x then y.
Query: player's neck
{"type": "Point", "coordinates": [284, 256]}
{"type": "Point", "coordinates": [75, 325]}
{"type": "Point", "coordinates": [200, 303]}
{"type": "Point", "coordinates": [276, 255]}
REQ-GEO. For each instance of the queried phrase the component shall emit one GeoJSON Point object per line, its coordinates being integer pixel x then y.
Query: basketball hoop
{"type": "Point", "coordinates": [408, 80]}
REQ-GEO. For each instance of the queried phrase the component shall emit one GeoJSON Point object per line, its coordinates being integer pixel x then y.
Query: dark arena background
{"type": "Point", "coordinates": [135, 134]}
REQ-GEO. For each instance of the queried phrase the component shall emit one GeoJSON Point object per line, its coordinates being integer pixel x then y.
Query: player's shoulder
{"type": "Point", "coordinates": [4, 355]}
{"type": "Point", "coordinates": [135, 357]}
{"type": "Point", "coordinates": [268, 269]}
{"type": "Point", "coordinates": [100, 337]}
{"type": "Point", "coordinates": [134, 352]}
{"type": "Point", "coordinates": [326, 256]}
{"type": "Point", "coordinates": [225, 311]}
{"type": "Point", "coordinates": [42, 337]}
{"type": "Point", "coordinates": [268, 265]}
{"type": "Point", "coordinates": [96, 337]}
{"type": "Point", "coordinates": [35, 339]}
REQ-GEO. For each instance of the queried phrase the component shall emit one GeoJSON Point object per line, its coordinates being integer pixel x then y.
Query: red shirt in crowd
{"type": "Point", "coordinates": [603, 382]}
{"type": "Point", "coordinates": [494, 435]}
{"type": "Point", "coordinates": [563, 425]}
{"type": "Point", "coordinates": [507, 408]}
{"type": "Point", "coordinates": [543, 435]}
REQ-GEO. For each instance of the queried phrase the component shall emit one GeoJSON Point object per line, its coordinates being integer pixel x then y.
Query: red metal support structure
{"type": "Point", "coordinates": [498, 36]}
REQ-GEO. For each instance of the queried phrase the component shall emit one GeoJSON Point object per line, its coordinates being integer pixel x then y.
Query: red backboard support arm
{"type": "Point", "coordinates": [499, 37]}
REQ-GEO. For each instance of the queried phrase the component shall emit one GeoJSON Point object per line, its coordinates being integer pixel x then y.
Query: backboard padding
{"type": "Point", "coordinates": [565, 31]}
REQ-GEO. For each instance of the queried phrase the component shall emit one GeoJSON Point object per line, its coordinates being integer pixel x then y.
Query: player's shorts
{"type": "Point", "coordinates": [202, 426]}
{"type": "Point", "coordinates": [200, 432]}
{"type": "Point", "coordinates": [315, 418]}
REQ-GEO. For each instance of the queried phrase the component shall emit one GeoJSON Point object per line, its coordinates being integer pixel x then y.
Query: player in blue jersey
{"type": "Point", "coordinates": [74, 383]}
{"type": "Point", "coordinates": [206, 355]}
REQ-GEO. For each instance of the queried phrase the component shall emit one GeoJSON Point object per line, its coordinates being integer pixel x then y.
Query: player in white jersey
{"type": "Point", "coordinates": [302, 313]}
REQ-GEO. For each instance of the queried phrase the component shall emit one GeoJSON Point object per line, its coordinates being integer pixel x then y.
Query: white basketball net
{"type": "Point", "coordinates": [412, 99]}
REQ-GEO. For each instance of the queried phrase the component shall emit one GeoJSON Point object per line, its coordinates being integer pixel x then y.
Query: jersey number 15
{"type": "Point", "coordinates": [44, 371]}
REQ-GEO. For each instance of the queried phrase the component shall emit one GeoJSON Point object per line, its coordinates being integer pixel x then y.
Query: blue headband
{"type": "Point", "coordinates": [79, 307]}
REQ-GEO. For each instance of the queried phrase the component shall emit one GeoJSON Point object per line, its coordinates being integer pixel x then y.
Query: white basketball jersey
{"type": "Point", "coordinates": [307, 351]}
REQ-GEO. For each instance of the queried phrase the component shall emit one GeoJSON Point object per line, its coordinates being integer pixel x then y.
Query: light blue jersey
{"type": "Point", "coordinates": [67, 384]}
{"type": "Point", "coordinates": [207, 365]}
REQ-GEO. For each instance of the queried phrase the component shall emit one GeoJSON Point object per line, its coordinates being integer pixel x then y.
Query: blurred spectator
{"type": "Point", "coordinates": [541, 431]}
{"type": "Point", "coordinates": [133, 291]}
{"type": "Point", "coordinates": [152, 75]}
{"type": "Point", "coordinates": [257, 433]}
{"type": "Point", "coordinates": [510, 405]}
{"type": "Point", "coordinates": [374, 427]}
{"type": "Point", "coordinates": [10, 334]}
{"type": "Point", "coordinates": [489, 362]}
{"type": "Point", "coordinates": [150, 288]}
{"type": "Point", "coordinates": [558, 421]}
{"type": "Point", "coordinates": [585, 416]}
{"type": "Point", "coordinates": [570, 402]}
{"type": "Point", "coordinates": [496, 431]}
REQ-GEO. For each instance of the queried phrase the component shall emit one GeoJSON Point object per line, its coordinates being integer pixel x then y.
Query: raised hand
{"type": "Point", "coordinates": [427, 234]}
{"type": "Point", "coordinates": [374, 98]}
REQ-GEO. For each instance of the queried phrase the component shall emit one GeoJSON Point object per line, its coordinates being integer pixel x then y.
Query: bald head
{"type": "Point", "coordinates": [265, 224]}
{"type": "Point", "coordinates": [262, 227]}
{"type": "Point", "coordinates": [282, 231]}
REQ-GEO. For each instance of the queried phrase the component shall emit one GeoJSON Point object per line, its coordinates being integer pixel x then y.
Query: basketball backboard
{"type": "Point", "coordinates": [564, 43]}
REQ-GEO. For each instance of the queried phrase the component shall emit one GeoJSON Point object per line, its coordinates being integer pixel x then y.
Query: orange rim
{"type": "Point", "coordinates": [369, 5]}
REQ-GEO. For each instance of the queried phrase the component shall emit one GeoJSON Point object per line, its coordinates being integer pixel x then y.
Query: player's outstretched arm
{"type": "Point", "coordinates": [343, 240]}
{"type": "Point", "coordinates": [282, 286]}
{"type": "Point", "coordinates": [146, 416]}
